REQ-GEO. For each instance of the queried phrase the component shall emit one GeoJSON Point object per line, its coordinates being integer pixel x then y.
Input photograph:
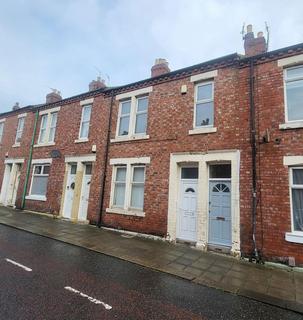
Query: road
{"type": "Point", "coordinates": [41, 278]}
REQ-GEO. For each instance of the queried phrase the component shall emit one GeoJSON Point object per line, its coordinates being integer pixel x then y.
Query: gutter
{"type": "Point", "coordinates": [99, 224]}
{"type": "Point", "coordinates": [29, 162]}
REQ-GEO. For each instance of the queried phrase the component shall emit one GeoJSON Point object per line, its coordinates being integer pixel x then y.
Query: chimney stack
{"type": "Point", "coordinates": [97, 84]}
{"type": "Point", "coordinates": [160, 67]}
{"type": "Point", "coordinates": [16, 106]}
{"type": "Point", "coordinates": [53, 96]}
{"type": "Point", "coordinates": [252, 45]}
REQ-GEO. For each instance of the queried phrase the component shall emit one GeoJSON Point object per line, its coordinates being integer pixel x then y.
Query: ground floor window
{"type": "Point", "coordinates": [39, 180]}
{"type": "Point", "coordinates": [296, 181]}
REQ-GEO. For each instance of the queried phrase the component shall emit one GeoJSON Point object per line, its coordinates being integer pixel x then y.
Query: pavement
{"type": "Point", "coordinates": [42, 278]}
{"type": "Point", "coordinates": [275, 286]}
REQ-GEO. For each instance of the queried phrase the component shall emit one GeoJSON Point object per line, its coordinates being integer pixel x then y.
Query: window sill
{"type": "Point", "coordinates": [16, 145]}
{"type": "Point", "coordinates": [296, 237]}
{"type": "Point", "coordinates": [36, 198]}
{"type": "Point", "coordinates": [202, 130]}
{"type": "Point", "coordinates": [126, 212]}
{"type": "Point", "coordinates": [291, 125]}
{"type": "Point", "coordinates": [44, 144]}
{"type": "Point", "coordinates": [81, 140]}
{"type": "Point", "coordinates": [129, 138]}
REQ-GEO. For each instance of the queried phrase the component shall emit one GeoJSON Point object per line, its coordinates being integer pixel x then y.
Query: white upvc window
{"type": "Point", "coordinates": [39, 181]}
{"type": "Point", "coordinates": [19, 131]}
{"type": "Point", "coordinates": [132, 119]}
{"type": "Point", "coordinates": [48, 128]}
{"type": "Point", "coordinates": [293, 91]}
{"type": "Point", "coordinates": [127, 190]}
{"type": "Point", "coordinates": [85, 121]}
{"type": "Point", "coordinates": [296, 197]}
{"type": "Point", "coordinates": [204, 105]}
{"type": "Point", "coordinates": [1, 130]}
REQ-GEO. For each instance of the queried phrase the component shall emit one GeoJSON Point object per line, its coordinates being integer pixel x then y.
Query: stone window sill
{"type": "Point", "coordinates": [16, 145]}
{"type": "Point", "coordinates": [36, 198]}
{"type": "Point", "coordinates": [81, 140]}
{"type": "Point", "coordinates": [129, 138]}
{"type": "Point", "coordinates": [126, 212]}
{"type": "Point", "coordinates": [202, 130]}
{"type": "Point", "coordinates": [44, 144]}
{"type": "Point", "coordinates": [291, 125]}
{"type": "Point", "coordinates": [296, 237]}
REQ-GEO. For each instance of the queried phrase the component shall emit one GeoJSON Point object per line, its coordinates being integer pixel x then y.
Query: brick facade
{"type": "Point", "coordinates": [170, 119]}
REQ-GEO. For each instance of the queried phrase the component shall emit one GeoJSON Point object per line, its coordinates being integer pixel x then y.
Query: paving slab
{"type": "Point", "coordinates": [268, 284]}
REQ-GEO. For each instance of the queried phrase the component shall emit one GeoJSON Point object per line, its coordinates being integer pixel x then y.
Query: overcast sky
{"type": "Point", "coordinates": [64, 44]}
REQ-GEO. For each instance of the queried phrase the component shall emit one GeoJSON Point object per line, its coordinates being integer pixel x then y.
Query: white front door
{"type": "Point", "coordinates": [82, 215]}
{"type": "Point", "coordinates": [15, 184]}
{"type": "Point", "coordinates": [187, 217]}
{"type": "Point", "coordinates": [5, 183]}
{"type": "Point", "coordinates": [69, 191]}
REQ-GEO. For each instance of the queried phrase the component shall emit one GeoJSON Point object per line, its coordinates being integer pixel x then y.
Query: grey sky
{"type": "Point", "coordinates": [63, 43]}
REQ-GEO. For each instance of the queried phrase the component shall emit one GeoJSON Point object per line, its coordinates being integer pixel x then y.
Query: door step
{"type": "Point", "coordinates": [218, 248]}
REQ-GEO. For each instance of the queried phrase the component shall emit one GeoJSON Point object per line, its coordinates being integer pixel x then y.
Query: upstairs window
{"type": "Point", "coordinates": [132, 119]}
{"type": "Point", "coordinates": [293, 78]}
{"type": "Point", "coordinates": [85, 121]}
{"type": "Point", "coordinates": [204, 105]}
{"type": "Point", "coordinates": [48, 128]}
{"type": "Point", "coordinates": [20, 128]}
{"type": "Point", "coordinates": [1, 130]}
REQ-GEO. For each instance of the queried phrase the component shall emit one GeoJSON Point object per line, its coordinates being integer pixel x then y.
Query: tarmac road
{"type": "Point", "coordinates": [41, 278]}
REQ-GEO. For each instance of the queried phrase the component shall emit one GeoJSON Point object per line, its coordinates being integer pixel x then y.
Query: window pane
{"type": "Point", "coordinates": [39, 185]}
{"type": "Point", "coordinates": [119, 194]}
{"type": "Point", "coordinates": [220, 171]}
{"type": "Point", "coordinates": [137, 197]}
{"type": "Point", "coordinates": [86, 113]}
{"type": "Point", "coordinates": [84, 130]}
{"type": "Point", "coordinates": [138, 175]}
{"type": "Point", "coordinates": [297, 176]}
{"type": "Point", "coordinates": [125, 107]}
{"type": "Point", "coordinates": [88, 169]}
{"type": "Point", "coordinates": [204, 114]}
{"type": "Point", "coordinates": [54, 119]}
{"type": "Point", "coordinates": [20, 124]}
{"type": "Point", "coordinates": [73, 169]}
{"type": "Point", "coordinates": [44, 121]}
{"type": "Point", "coordinates": [38, 170]}
{"type": "Point", "coordinates": [189, 173]}
{"type": "Point", "coordinates": [142, 104]}
{"type": "Point", "coordinates": [46, 169]}
{"type": "Point", "coordinates": [205, 92]}
{"type": "Point", "coordinates": [121, 174]}
{"type": "Point", "coordinates": [141, 122]}
{"type": "Point", "coordinates": [52, 132]}
{"type": "Point", "coordinates": [1, 130]}
{"type": "Point", "coordinates": [124, 125]}
{"type": "Point", "coordinates": [294, 92]}
{"type": "Point", "coordinates": [294, 73]}
{"type": "Point", "coordinates": [297, 205]}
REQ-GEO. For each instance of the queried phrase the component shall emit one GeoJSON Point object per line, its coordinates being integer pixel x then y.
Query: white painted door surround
{"type": "Point", "coordinates": [69, 192]}
{"type": "Point", "coordinates": [84, 198]}
{"type": "Point", "coordinates": [203, 160]}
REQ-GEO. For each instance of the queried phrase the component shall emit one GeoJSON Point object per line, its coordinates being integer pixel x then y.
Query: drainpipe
{"type": "Point", "coordinates": [255, 254]}
{"type": "Point", "coordinates": [99, 224]}
{"type": "Point", "coordinates": [29, 162]}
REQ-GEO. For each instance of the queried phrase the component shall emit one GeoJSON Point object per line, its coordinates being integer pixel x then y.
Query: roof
{"type": "Point", "coordinates": [223, 61]}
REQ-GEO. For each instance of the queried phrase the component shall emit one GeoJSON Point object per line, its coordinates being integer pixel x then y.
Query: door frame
{"type": "Point", "coordinates": [204, 159]}
{"type": "Point", "coordinates": [69, 167]}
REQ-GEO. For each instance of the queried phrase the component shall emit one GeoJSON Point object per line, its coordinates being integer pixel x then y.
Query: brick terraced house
{"type": "Point", "coordinates": [211, 154]}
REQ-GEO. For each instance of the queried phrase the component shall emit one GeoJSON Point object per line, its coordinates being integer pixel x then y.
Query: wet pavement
{"type": "Point", "coordinates": [49, 279]}
{"type": "Point", "coordinates": [280, 287]}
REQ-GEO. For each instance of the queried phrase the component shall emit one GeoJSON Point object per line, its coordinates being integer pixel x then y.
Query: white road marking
{"type": "Point", "coordinates": [91, 299]}
{"type": "Point", "coordinates": [19, 265]}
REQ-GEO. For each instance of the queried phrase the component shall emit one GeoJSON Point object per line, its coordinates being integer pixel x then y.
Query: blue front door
{"type": "Point", "coordinates": [220, 213]}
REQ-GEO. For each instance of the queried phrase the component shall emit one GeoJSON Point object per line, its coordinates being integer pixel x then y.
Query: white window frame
{"type": "Point", "coordinates": [133, 96]}
{"type": "Point", "coordinates": [2, 125]}
{"type": "Point", "coordinates": [35, 196]}
{"type": "Point", "coordinates": [130, 164]}
{"type": "Point", "coordinates": [84, 139]}
{"type": "Point", "coordinates": [49, 114]}
{"type": "Point", "coordinates": [19, 131]}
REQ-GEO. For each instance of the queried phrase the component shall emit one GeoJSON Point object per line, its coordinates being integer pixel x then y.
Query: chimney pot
{"type": "Point", "coordinates": [160, 67]}
{"type": "Point", "coordinates": [96, 84]}
{"type": "Point", "coordinates": [53, 96]}
{"type": "Point", "coordinates": [260, 34]}
{"type": "Point", "coordinates": [249, 28]}
{"type": "Point", "coordinates": [16, 106]}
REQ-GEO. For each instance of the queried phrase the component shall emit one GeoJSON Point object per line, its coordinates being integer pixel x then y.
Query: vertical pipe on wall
{"type": "Point", "coordinates": [105, 160]}
{"type": "Point", "coordinates": [255, 253]}
{"type": "Point", "coordinates": [29, 161]}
